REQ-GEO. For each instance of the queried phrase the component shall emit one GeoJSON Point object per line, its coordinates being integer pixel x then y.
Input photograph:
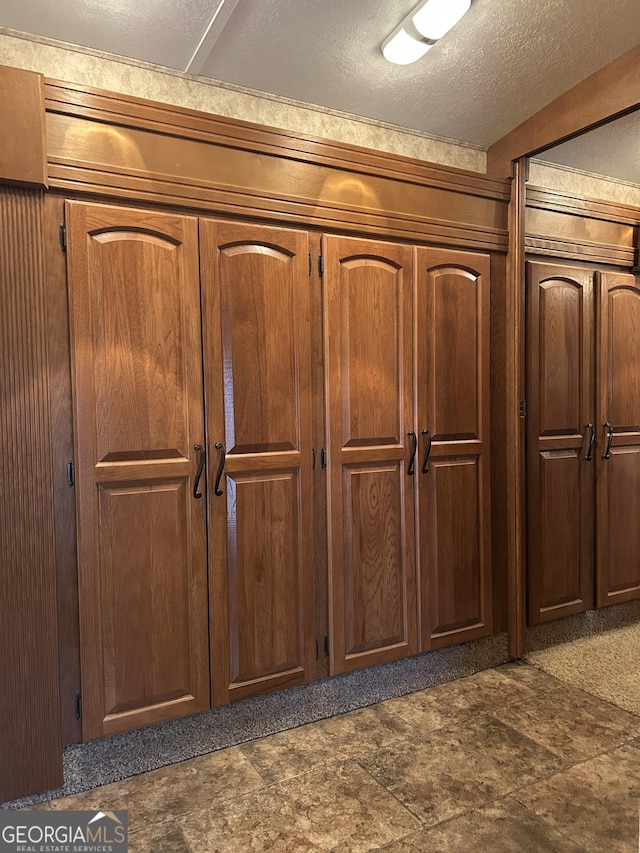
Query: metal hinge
{"type": "Point", "coordinates": [71, 474]}
{"type": "Point", "coordinates": [320, 265]}
{"type": "Point", "coordinates": [522, 409]}
{"type": "Point", "coordinates": [326, 645]}
{"type": "Point", "coordinates": [78, 706]}
{"type": "Point", "coordinates": [323, 458]}
{"type": "Point", "coordinates": [63, 237]}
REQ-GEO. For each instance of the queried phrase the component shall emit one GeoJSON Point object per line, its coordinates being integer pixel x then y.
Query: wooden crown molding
{"type": "Point", "coordinates": [125, 110]}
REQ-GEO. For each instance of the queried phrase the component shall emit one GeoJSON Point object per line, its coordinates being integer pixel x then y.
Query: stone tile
{"type": "Point", "coordinates": [163, 837]}
{"type": "Point", "coordinates": [287, 754]}
{"type": "Point", "coordinates": [449, 703]}
{"type": "Point", "coordinates": [449, 771]}
{"type": "Point", "coordinates": [338, 807]}
{"type": "Point", "coordinates": [594, 803]}
{"type": "Point", "coordinates": [534, 678]}
{"type": "Point", "coordinates": [173, 790]}
{"type": "Point", "coordinates": [503, 826]}
{"type": "Point", "coordinates": [571, 723]}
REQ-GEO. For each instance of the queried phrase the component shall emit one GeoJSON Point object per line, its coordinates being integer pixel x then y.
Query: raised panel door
{"type": "Point", "coordinates": [138, 413]}
{"type": "Point", "coordinates": [368, 317]}
{"type": "Point", "coordinates": [453, 471]}
{"type": "Point", "coordinates": [259, 439]}
{"type": "Point", "coordinates": [618, 478]}
{"type": "Point", "coordinates": [561, 437]}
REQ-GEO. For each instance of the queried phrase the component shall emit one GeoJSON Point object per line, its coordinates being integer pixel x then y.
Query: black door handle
{"type": "Point", "coordinates": [427, 453]}
{"type": "Point", "coordinates": [199, 449]}
{"type": "Point", "coordinates": [592, 439]}
{"type": "Point", "coordinates": [412, 458]}
{"type": "Point", "coordinates": [607, 450]}
{"type": "Point", "coordinates": [223, 455]}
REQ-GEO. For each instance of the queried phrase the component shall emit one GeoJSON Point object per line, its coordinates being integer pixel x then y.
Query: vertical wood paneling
{"type": "Point", "coordinates": [30, 743]}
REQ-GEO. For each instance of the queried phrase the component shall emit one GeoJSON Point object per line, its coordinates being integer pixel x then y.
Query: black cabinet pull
{"type": "Point", "coordinates": [412, 458]}
{"type": "Point", "coordinates": [592, 439]}
{"type": "Point", "coordinates": [427, 453]}
{"type": "Point", "coordinates": [607, 451]}
{"type": "Point", "coordinates": [199, 449]}
{"type": "Point", "coordinates": [223, 455]}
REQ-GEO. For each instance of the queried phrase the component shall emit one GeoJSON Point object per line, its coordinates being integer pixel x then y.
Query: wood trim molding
{"type": "Point", "coordinates": [128, 111]}
{"type": "Point", "coordinates": [580, 228]}
{"type": "Point", "coordinates": [573, 250]}
{"type": "Point", "coordinates": [610, 92]}
{"type": "Point", "coordinates": [23, 150]}
{"type": "Point", "coordinates": [135, 186]}
{"type": "Point", "coordinates": [515, 349]}
{"type": "Point", "coordinates": [582, 206]}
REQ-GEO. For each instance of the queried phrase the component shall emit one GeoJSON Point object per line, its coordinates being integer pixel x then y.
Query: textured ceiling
{"type": "Point", "coordinates": [612, 150]}
{"type": "Point", "coordinates": [504, 61]}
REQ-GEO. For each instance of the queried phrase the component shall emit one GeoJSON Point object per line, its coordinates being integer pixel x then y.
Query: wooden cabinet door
{"type": "Point", "coordinates": [258, 392]}
{"type": "Point", "coordinates": [618, 483]}
{"type": "Point", "coordinates": [561, 449]}
{"type": "Point", "coordinates": [138, 411]}
{"type": "Point", "coordinates": [452, 380]}
{"type": "Point", "coordinates": [368, 320]}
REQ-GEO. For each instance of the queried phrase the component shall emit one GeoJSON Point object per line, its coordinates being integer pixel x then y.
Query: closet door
{"type": "Point", "coordinates": [368, 321]}
{"type": "Point", "coordinates": [138, 412]}
{"type": "Point", "coordinates": [453, 471]}
{"type": "Point", "coordinates": [259, 442]}
{"type": "Point", "coordinates": [561, 449]}
{"type": "Point", "coordinates": [618, 501]}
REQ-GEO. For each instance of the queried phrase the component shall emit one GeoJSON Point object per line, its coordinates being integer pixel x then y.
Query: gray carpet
{"type": "Point", "coordinates": [114, 758]}
{"type": "Point", "coordinates": [606, 663]}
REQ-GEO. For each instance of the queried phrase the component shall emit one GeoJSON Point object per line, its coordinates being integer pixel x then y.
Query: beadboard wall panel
{"type": "Point", "coordinates": [30, 743]}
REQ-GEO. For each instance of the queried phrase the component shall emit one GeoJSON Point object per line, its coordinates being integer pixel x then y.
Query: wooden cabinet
{"type": "Point", "coordinates": [195, 456]}
{"type": "Point", "coordinates": [407, 350]}
{"type": "Point", "coordinates": [453, 471]}
{"type": "Point", "coordinates": [618, 421]}
{"type": "Point", "coordinates": [257, 363]}
{"type": "Point", "coordinates": [368, 324]}
{"type": "Point", "coordinates": [560, 462]}
{"type": "Point", "coordinates": [583, 438]}
{"type": "Point", "coordinates": [138, 412]}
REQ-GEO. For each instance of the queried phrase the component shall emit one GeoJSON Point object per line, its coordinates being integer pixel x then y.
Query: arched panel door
{"type": "Point", "coordinates": [368, 317]}
{"type": "Point", "coordinates": [562, 441]}
{"type": "Point", "coordinates": [453, 470]}
{"type": "Point", "coordinates": [257, 361]}
{"type": "Point", "coordinates": [618, 489]}
{"type": "Point", "coordinates": [138, 414]}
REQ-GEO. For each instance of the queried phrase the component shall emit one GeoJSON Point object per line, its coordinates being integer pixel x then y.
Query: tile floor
{"type": "Point", "coordinates": [509, 759]}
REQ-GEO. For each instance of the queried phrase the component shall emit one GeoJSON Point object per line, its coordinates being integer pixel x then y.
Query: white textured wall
{"type": "Point", "coordinates": [130, 77]}
{"type": "Point", "coordinates": [575, 182]}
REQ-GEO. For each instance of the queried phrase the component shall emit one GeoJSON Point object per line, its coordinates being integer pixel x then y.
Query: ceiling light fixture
{"type": "Point", "coordinates": [422, 28]}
